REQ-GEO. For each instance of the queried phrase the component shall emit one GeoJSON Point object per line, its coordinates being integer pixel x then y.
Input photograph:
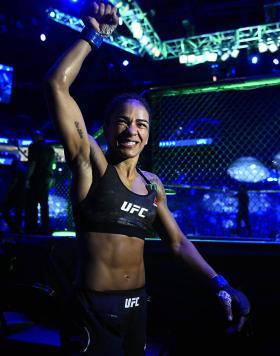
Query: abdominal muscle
{"type": "Point", "coordinates": [111, 262]}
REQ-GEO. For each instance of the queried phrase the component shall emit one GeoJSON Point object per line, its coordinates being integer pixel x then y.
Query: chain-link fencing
{"type": "Point", "coordinates": [209, 141]}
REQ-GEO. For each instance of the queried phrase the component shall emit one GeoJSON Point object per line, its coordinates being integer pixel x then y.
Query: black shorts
{"type": "Point", "coordinates": [105, 324]}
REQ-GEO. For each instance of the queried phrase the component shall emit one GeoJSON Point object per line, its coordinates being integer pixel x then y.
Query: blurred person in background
{"type": "Point", "coordinates": [41, 157]}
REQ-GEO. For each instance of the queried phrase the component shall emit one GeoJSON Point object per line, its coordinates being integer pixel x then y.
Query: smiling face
{"type": "Point", "coordinates": [127, 130]}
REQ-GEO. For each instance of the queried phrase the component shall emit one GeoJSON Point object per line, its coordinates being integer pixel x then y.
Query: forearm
{"type": "Point", "coordinates": [68, 66]}
{"type": "Point", "coordinates": [189, 254]}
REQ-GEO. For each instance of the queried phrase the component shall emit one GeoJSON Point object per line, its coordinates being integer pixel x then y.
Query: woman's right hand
{"type": "Point", "coordinates": [100, 15]}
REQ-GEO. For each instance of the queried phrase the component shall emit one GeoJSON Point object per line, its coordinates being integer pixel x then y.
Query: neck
{"type": "Point", "coordinates": [114, 159]}
{"type": "Point", "coordinates": [127, 167]}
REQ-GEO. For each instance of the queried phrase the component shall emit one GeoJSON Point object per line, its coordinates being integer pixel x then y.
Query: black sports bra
{"type": "Point", "coordinates": [110, 207]}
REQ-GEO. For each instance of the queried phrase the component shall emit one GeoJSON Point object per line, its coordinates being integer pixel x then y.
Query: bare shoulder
{"type": "Point", "coordinates": [155, 181]}
{"type": "Point", "coordinates": [153, 178]}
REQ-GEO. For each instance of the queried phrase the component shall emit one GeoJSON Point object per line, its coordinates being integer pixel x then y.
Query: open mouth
{"type": "Point", "coordinates": [127, 143]}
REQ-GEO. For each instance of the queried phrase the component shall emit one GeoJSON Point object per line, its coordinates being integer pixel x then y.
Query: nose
{"type": "Point", "coordinates": [132, 129]}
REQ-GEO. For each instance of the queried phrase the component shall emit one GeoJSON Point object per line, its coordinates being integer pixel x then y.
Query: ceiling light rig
{"type": "Point", "coordinates": [218, 46]}
{"type": "Point", "coordinates": [140, 27]}
{"type": "Point", "coordinates": [125, 43]}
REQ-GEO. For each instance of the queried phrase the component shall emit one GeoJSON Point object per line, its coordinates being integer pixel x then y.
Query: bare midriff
{"type": "Point", "coordinates": [111, 262]}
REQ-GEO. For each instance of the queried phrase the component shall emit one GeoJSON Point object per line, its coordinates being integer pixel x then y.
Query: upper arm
{"type": "Point", "coordinates": [69, 122]}
{"type": "Point", "coordinates": [165, 224]}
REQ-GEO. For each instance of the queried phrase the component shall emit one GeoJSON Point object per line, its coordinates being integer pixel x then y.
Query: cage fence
{"type": "Point", "coordinates": [60, 206]}
{"type": "Point", "coordinates": [207, 143]}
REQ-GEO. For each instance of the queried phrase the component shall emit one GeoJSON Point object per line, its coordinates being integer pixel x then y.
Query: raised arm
{"type": "Point", "coordinates": [170, 232]}
{"type": "Point", "coordinates": [63, 108]}
{"type": "Point", "coordinates": [100, 20]}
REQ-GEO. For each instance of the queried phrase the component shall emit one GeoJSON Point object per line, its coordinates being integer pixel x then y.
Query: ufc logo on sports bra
{"type": "Point", "coordinates": [131, 302]}
{"type": "Point", "coordinates": [133, 208]}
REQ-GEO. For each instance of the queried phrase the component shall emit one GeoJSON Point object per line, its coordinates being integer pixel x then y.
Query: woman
{"type": "Point", "coordinates": [115, 206]}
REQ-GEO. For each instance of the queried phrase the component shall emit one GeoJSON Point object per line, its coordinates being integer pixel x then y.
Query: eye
{"type": "Point", "coordinates": [142, 124]}
{"type": "Point", "coordinates": [121, 121]}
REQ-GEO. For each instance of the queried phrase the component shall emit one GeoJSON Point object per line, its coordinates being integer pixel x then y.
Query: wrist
{"type": "Point", "coordinates": [219, 282]}
{"type": "Point", "coordinates": [90, 35]}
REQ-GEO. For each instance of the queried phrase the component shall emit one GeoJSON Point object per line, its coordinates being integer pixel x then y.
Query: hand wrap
{"type": "Point", "coordinates": [231, 295]}
{"type": "Point", "coordinates": [92, 37]}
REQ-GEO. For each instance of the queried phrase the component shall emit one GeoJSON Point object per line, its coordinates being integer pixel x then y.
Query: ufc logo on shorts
{"type": "Point", "coordinates": [131, 302]}
{"type": "Point", "coordinates": [133, 208]}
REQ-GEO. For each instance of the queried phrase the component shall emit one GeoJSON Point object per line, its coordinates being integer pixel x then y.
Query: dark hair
{"type": "Point", "coordinates": [121, 99]}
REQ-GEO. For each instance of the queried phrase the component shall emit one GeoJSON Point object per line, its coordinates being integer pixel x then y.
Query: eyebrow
{"type": "Point", "coordinates": [122, 117]}
{"type": "Point", "coordinates": [128, 119]}
{"type": "Point", "coordinates": [143, 120]}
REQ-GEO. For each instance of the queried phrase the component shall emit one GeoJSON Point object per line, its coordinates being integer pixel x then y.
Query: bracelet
{"type": "Point", "coordinates": [92, 37]}
{"type": "Point", "coordinates": [219, 282]}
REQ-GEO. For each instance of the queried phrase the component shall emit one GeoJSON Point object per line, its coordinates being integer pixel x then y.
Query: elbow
{"type": "Point", "coordinates": [180, 245]}
{"type": "Point", "coordinates": [55, 82]}
{"type": "Point", "coordinates": [176, 247]}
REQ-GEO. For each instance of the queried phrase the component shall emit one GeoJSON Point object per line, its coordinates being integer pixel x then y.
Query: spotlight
{"type": "Point", "coordinates": [273, 47]}
{"type": "Point", "coordinates": [235, 53]}
{"type": "Point", "coordinates": [156, 52]}
{"type": "Point", "coordinates": [137, 30]}
{"type": "Point", "coordinates": [254, 59]}
{"type": "Point", "coordinates": [211, 56]}
{"type": "Point", "coordinates": [52, 14]}
{"type": "Point", "coordinates": [183, 58]}
{"type": "Point", "coordinates": [125, 63]}
{"type": "Point", "coordinates": [225, 56]}
{"type": "Point", "coordinates": [43, 37]}
{"type": "Point", "coordinates": [262, 46]}
{"type": "Point", "coordinates": [276, 61]}
{"type": "Point", "coordinates": [201, 58]}
{"type": "Point", "coordinates": [144, 40]}
{"type": "Point", "coordinates": [191, 58]}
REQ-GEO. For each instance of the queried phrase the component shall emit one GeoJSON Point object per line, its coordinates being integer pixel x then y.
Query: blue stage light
{"type": "Point", "coordinates": [276, 61]}
{"type": "Point", "coordinates": [254, 59]}
{"type": "Point", "coordinates": [43, 37]}
{"type": "Point", "coordinates": [6, 161]}
{"type": "Point", "coordinates": [24, 142]}
{"type": "Point", "coordinates": [187, 142]}
{"type": "Point", "coordinates": [125, 63]}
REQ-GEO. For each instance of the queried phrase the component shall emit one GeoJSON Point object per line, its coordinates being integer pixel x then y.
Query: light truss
{"type": "Point", "coordinates": [190, 51]}
{"type": "Point", "coordinates": [132, 15]}
{"type": "Point", "coordinates": [125, 43]}
{"type": "Point", "coordinates": [219, 42]}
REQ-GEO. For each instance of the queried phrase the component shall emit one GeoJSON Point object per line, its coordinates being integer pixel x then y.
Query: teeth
{"type": "Point", "coordinates": [129, 143]}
